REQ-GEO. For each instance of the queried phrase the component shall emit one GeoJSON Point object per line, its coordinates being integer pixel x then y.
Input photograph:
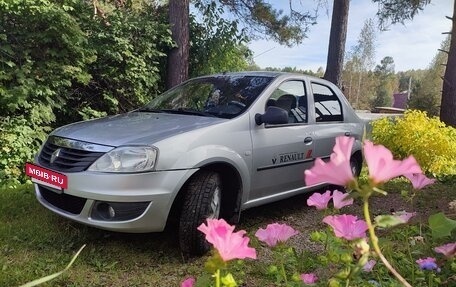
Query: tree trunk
{"type": "Point", "coordinates": [360, 77]}
{"type": "Point", "coordinates": [448, 104]}
{"type": "Point", "coordinates": [337, 37]}
{"type": "Point", "coordinates": [177, 67]}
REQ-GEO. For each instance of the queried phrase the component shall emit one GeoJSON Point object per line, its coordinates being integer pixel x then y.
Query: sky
{"type": "Point", "coordinates": [412, 46]}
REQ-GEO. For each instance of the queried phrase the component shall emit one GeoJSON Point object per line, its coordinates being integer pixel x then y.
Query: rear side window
{"type": "Point", "coordinates": [328, 107]}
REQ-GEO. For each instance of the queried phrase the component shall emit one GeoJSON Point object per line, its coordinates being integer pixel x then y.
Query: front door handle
{"type": "Point", "coordinates": [347, 134]}
{"type": "Point", "coordinates": [308, 140]}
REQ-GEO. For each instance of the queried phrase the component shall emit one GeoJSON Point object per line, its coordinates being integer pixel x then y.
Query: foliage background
{"type": "Point", "coordinates": [61, 63]}
{"type": "Point", "coordinates": [426, 138]}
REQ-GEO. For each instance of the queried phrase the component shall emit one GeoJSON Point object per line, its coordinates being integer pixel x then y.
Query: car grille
{"type": "Point", "coordinates": [66, 202]}
{"type": "Point", "coordinates": [68, 160]}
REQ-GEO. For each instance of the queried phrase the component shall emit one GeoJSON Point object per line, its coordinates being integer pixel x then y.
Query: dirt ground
{"type": "Point", "coordinates": [295, 212]}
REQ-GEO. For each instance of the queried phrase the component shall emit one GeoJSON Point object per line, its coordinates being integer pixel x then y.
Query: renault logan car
{"type": "Point", "coordinates": [208, 148]}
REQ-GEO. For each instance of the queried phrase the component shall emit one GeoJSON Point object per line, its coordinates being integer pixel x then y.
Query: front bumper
{"type": "Point", "coordinates": [119, 202]}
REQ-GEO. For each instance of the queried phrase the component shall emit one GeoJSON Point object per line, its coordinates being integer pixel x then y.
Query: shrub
{"type": "Point", "coordinates": [42, 53]}
{"type": "Point", "coordinates": [428, 139]}
{"type": "Point", "coordinates": [130, 46]}
{"type": "Point", "coordinates": [19, 141]}
{"type": "Point", "coordinates": [60, 64]}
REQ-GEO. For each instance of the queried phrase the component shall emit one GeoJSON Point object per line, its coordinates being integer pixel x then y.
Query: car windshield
{"type": "Point", "coordinates": [224, 96]}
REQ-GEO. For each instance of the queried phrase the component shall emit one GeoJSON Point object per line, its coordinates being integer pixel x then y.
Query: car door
{"type": "Point", "coordinates": [282, 152]}
{"type": "Point", "coordinates": [329, 118]}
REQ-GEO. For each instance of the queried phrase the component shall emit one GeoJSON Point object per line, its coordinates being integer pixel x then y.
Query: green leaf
{"type": "Point", "coordinates": [378, 190]}
{"type": "Point", "coordinates": [387, 221]}
{"type": "Point", "coordinates": [10, 64]}
{"type": "Point", "coordinates": [55, 275]}
{"type": "Point", "coordinates": [228, 280]}
{"type": "Point", "coordinates": [441, 225]}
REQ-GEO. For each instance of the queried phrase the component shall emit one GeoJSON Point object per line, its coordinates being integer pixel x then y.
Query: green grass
{"type": "Point", "coordinates": [34, 242]}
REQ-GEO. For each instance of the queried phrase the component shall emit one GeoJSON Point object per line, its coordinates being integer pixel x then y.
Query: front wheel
{"type": "Point", "coordinates": [202, 200]}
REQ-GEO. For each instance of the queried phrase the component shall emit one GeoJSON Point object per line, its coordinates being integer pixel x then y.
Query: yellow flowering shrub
{"type": "Point", "coordinates": [429, 140]}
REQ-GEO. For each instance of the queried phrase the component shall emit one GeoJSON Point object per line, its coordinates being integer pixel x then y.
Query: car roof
{"type": "Point", "coordinates": [246, 73]}
{"type": "Point", "coordinates": [272, 74]}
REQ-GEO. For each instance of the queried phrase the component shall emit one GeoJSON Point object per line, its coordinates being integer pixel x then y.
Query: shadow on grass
{"type": "Point", "coordinates": [275, 211]}
{"type": "Point", "coordinates": [167, 241]}
{"type": "Point", "coordinates": [30, 227]}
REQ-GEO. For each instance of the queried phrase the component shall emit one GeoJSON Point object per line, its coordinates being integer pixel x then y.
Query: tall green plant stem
{"type": "Point", "coordinates": [374, 240]}
{"type": "Point", "coordinates": [217, 278]}
{"type": "Point", "coordinates": [284, 274]}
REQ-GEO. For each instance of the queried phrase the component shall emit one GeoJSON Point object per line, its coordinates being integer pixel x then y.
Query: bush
{"type": "Point", "coordinates": [428, 139]}
{"type": "Point", "coordinates": [60, 64]}
{"type": "Point", "coordinates": [130, 46]}
{"type": "Point", "coordinates": [19, 141]}
{"type": "Point", "coordinates": [42, 53]}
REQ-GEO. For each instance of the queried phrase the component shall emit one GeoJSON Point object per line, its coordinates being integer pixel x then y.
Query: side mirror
{"type": "Point", "coordinates": [273, 116]}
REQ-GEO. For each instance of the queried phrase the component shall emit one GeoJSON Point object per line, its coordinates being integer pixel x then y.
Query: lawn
{"type": "Point", "coordinates": [34, 242]}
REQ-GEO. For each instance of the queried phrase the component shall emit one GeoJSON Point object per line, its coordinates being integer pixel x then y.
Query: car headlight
{"type": "Point", "coordinates": [126, 159]}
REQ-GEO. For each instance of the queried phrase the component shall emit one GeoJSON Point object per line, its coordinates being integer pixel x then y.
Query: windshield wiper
{"type": "Point", "coordinates": [150, 110]}
{"type": "Point", "coordinates": [189, 112]}
{"type": "Point", "coordinates": [176, 111]}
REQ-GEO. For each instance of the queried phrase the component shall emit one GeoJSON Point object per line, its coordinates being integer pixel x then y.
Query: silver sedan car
{"type": "Point", "coordinates": [208, 148]}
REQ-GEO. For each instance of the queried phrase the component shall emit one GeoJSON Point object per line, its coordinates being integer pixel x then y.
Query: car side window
{"type": "Point", "coordinates": [328, 107]}
{"type": "Point", "coordinates": [291, 96]}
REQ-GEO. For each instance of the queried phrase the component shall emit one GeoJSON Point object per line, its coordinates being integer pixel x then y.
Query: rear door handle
{"type": "Point", "coordinates": [308, 140]}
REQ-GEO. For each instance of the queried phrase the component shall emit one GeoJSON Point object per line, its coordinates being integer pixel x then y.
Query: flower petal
{"type": "Point", "coordinates": [320, 201]}
{"type": "Point", "coordinates": [428, 263]}
{"type": "Point", "coordinates": [229, 244]}
{"type": "Point", "coordinates": [419, 180]}
{"type": "Point", "coordinates": [341, 199]}
{"type": "Point", "coordinates": [449, 250]}
{"type": "Point", "coordinates": [347, 226]}
{"type": "Point", "coordinates": [189, 282]}
{"type": "Point", "coordinates": [337, 171]}
{"type": "Point", "coordinates": [308, 278]}
{"type": "Point", "coordinates": [382, 167]}
{"type": "Point", "coordinates": [404, 216]}
{"type": "Point", "coordinates": [275, 233]}
{"type": "Point", "coordinates": [369, 265]}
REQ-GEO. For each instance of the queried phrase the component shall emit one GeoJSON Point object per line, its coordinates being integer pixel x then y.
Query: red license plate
{"type": "Point", "coordinates": [55, 179]}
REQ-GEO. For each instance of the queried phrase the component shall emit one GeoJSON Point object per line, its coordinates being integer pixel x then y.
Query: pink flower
{"type": "Point", "coordinates": [382, 167]}
{"type": "Point", "coordinates": [428, 264]}
{"type": "Point", "coordinates": [337, 171]}
{"type": "Point", "coordinates": [369, 265]}
{"type": "Point", "coordinates": [419, 180]}
{"type": "Point", "coordinates": [320, 201]}
{"type": "Point", "coordinates": [449, 250]}
{"type": "Point", "coordinates": [275, 233]}
{"type": "Point", "coordinates": [347, 226]}
{"type": "Point", "coordinates": [341, 199]}
{"type": "Point", "coordinates": [404, 216]}
{"type": "Point", "coordinates": [309, 278]}
{"type": "Point", "coordinates": [229, 244]}
{"type": "Point", "coordinates": [189, 282]}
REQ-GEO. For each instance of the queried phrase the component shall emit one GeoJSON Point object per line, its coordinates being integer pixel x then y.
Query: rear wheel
{"type": "Point", "coordinates": [355, 165]}
{"type": "Point", "coordinates": [202, 200]}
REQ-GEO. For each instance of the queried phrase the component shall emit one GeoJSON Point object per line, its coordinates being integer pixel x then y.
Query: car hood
{"type": "Point", "coordinates": [133, 128]}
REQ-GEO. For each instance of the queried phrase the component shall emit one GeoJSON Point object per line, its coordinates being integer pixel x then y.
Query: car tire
{"type": "Point", "coordinates": [202, 200]}
{"type": "Point", "coordinates": [356, 166]}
